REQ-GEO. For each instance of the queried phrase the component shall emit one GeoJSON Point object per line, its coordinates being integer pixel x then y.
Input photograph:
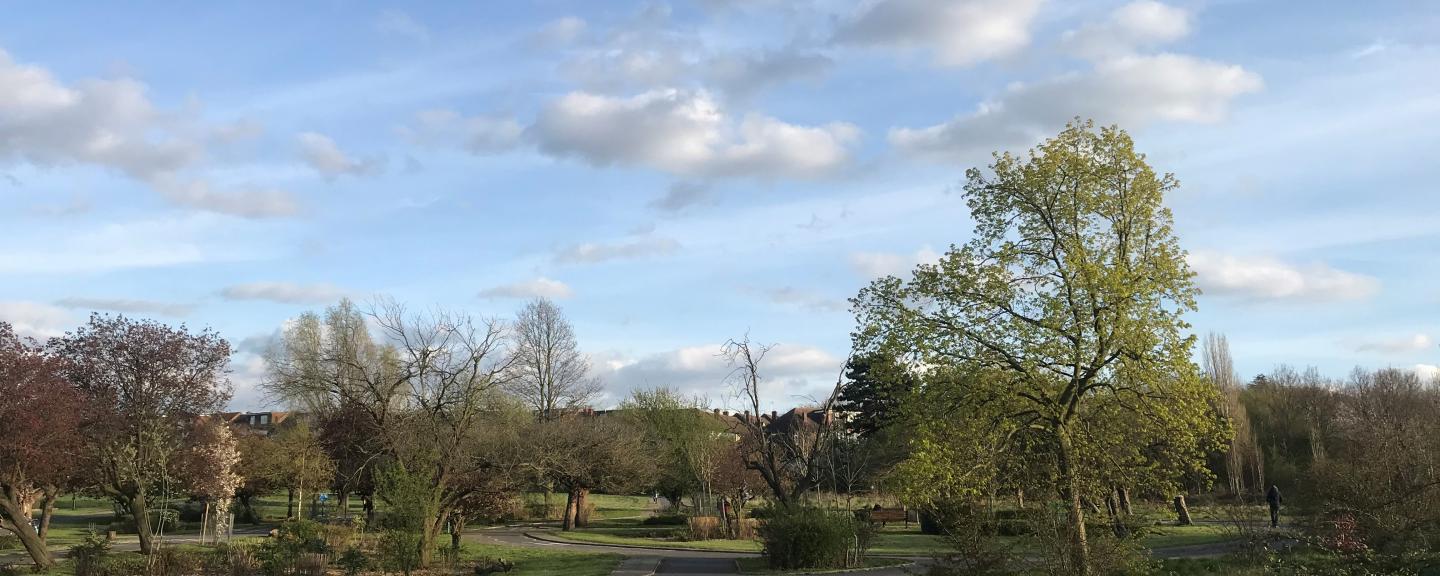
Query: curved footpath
{"type": "Point", "coordinates": [645, 561]}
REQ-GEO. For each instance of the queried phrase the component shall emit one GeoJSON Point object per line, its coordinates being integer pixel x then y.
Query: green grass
{"type": "Point", "coordinates": [544, 561]}
{"type": "Point", "coordinates": [762, 566]}
{"type": "Point", "coordinates": [1167, 536]}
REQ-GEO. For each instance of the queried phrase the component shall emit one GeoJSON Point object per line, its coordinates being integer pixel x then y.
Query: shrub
{"type": "Point", "coordinates": [703, 528]}
{"type": "Point", "coordinates": [175, 562]}
{"type": "Point", "coordinates": [9, 542]}
{"type": "Point", "coordinates": [487, 565]}
{"type": "Point", "coordinates": [9, 570]}
{"type": "Point", "coordinates": [400, 551]}
{"type": "Point", "coordinates": [746, 529]}
{"type": "Point", "coordinates": [353, 561]}
{"type": "Point", "coordinates": [665, 520]}
{"type": "Point", "coordinates": [238, 559]}
{"type": "Point", "coordinates": [312, 564]}
{"type": "Point", "coordinates": [799, 537]}
{"type": "Point", "coordinates": [87, 555]}
{"type": "Point", "coordinates": [280, 554]}
{"type": "Point", "coordinates": [122, 565]}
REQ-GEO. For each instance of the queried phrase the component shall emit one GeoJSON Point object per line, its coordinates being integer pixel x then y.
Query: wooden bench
{"type": "Point", "coordinates": [883, 515]}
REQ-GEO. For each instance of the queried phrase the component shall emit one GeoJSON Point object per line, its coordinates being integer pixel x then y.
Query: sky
{"type": "Point", "coordinates": [677, 174]}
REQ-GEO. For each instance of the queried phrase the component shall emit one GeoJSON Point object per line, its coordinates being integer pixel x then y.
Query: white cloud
{"type": "Point", "coordinates": [804, 299]}
{"type": "Point", "coordinates": [956, 32]}
{"type": "Point", "coordinates": [880, 264]}
{"type": "Point", "coordinates": [558, 32]}
{"type": "Point", "coordinates": [285, 292]}
{"type": "Point", "coordinates": [1131, 91]}
{"type": "Point", "coordinates": [791, 374]}
{"type": "Point", "coordinates": [248, 371]}
{"type": "Point", "coordinates": [321, 153]}
{"type": "Point", "coordinates": [681, 195]}
{"type": "Point", "coordinates": [110, 124]}
{"type": "Point", "coordinates": [36, 320]}
{"type": "Point", "coordinates": [590, 253]}
{"type": "Point", "coordinates": [536, 288]}
{"type": "Point", "coordinates": [401, 25]}
{"type": "Point", "coordinates": [476, 134]}
{"type": "Point", "coordinates": [1264, 278]}
{"type": "Point", "coordinates": [685, 132]}
{"type": "Point", "coordinates": [127, 306]}
{"type": "Point", "coordinates": [1140, 24]}
{"type": "Point", "coordinates": [743, 75]}
{"type": "Point", "coordinates": [1427, 371]}
{"type": "Point", "coordinates": [1412, 343]}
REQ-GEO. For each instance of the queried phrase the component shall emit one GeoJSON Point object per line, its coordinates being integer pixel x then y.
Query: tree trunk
{"type": "Point", "coordinates": [428, 534]}
{"type": "Point", "coordinates": [567, 522]}
{"type": "Point", "coordinates": [47, 510]}
{"type": "Point", "coordinates": [342, 502]}
{"type": "Point", "coordinates": [1020, 498]}
{"type": "Point", "coordinates": [204, 522]}
{"type": "Point", "coordinates": [1182, 512]}
{"type": "Point", "coordinates": [457, 529]}
{"type": "Point", "coordinates": [34, 544]}
{"type": "Point", "coordinates": [582, 516]}
{"type": "Point", "coordinates": [141, 513]}
{"type": "Point", "coordinates": [1125, 500]}
{"type": "Point", "coordinates": [290, 503]}
{"type": "Point", "coordinates": [369, 511]}
{"type": "Point", "coordinates": [1070, 488]}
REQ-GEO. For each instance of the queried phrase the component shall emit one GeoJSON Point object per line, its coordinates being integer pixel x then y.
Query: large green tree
{"type": "Point", "coordinates": [1071, 292]}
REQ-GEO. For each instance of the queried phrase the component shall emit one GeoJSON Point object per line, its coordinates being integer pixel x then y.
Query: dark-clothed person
{"type": "Point", "coordinates": [1272, 497]}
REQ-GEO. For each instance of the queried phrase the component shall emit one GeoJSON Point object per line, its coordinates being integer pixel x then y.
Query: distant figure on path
{"type": "Point", "coordinates": [1272, 496]}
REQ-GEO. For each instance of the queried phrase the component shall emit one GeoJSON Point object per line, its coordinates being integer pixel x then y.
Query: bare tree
{"type": "Point", "coordinates": [549, 374]}
{"type": "Point", "coordinates": [1242, 460]}
{"type": "Point", "coordinates": [788, 451]}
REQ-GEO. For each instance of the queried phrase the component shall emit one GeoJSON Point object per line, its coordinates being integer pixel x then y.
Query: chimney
{"type": "Point", "coordinates": [747, 415]}
{"type": "Point", "coordinates": [774, 415]}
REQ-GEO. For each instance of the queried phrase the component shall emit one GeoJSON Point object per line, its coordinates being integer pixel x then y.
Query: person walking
{"type": "Point", "coordinates": [1272, 497]}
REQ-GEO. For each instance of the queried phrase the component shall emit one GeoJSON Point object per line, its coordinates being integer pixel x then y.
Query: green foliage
{"type": "Point", "coordinates": [281, 555]}
{"type": "Point", "coordinates": [353, 561]}
{"type": "Point", "coordinates": [798, 537]}
{"type": "Point", "coordinates": [89, 553]}
{"type": "Point", "coordinates": [490, 565]}
{"type": "Point", "coordinates": [410, 496]}
{"type": "Point", "coordinates": [399, 551]}
{"type": "Point", "coordinates": [875, 388]}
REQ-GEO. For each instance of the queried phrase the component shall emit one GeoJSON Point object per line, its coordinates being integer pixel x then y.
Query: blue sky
{"type": "Point", "coordinates": [676, 174]}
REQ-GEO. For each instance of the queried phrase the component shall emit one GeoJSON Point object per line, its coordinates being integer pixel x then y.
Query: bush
{"type": "Point", "coordinates": [400, 551]}
{"type": "Point", "coordinates": [175, 562]}
{"type": "Point", "coordinates": [280, 554]}
{"type": "Point", "coordinates": [122, 565]}
{"type": "Point", "coordinates": [9, 542]}
{"type": "Point", "coordinates": [488, 565]}
{"type": "Point", "coordinates": [236, 560]}
{"type": "Point", "coordinates": [799, 537]}
{"type": "Point", "coordinates": [9, 570]}
{"type": "Point", "coordinates": [87, 555]}
{"type": "Point", "coordinates": [312, 564]}
{"type": "Point", "coordinates": [665, 520]}
{"type": "Point", "coordinates": [703, 528]}
{"type": "Point", "coordinates": [353, 561]}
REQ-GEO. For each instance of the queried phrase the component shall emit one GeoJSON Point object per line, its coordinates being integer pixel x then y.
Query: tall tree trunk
{"type": "Point", "coordinates": [342, 502]}
{"type": "Point", "coordinates": [204, 522]}
{"type": "Point", "coordinates": [1020, 498]}
{"type": "Point", "coordinates": [457, 530]}
{"type": "Point", "coordinates": [1070, 488]}
{"type": "Point", "coordinates": [582, 516]}
{"type": "Point", "coordinates": [14, 518]}
{"type": "Point", "coordinates": [290, 503]}
{"type": "Point", "coordinates": [369, 510]}
{"type": "Point", "coordinates": [567, 522]}
{"type": "Point", "coordinates": [1125, 500]}
{"type": "Point", "coordinates": [141, 512]}
{"type": "Point", "coordinates": [47, 510]}
{"type": "Point", "coordinates": [429, 533]}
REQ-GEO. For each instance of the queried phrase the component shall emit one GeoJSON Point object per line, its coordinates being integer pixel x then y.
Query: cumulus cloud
{"type": "Point", "coordinates": [476, 134]}
{"type": "Point", "coordinates": [322, 154]}
{"type": "Point", "coordinates": [285, 292]}
{"type": "Point", "coordinates": [127, 306]}
{"type": "Point", "coordinates": [1132, 91]}
{"type": "Point", "coordinates": [1135, 25]}
{"type": "Point", "coordinates": [880, 264]}
{"type": "Point", "coordinates": [743, 75]}
{"type": "Point", "coordinates": [685, 132]}
{"type": "Point", "coordinates": [111, 124]}
{"type": "Point", "coordinates": [591, 253]}
{"type": "Point", "coordinates": [1427, 371]}
{"type": "Point", "coordinates": [955, 32]}
{"type": "Point", "coordinates": [535, 288]}
{"type": "Point", "coordinates": [792, 373]}
{"type": "Point", "coordinates": [36, 320]}
{"type": "Point", "coordinates": [1265, 278]}
{"type": "Point", "coordinates": [1411, 343]}
{"type": "Point", "coordinates": [681, 195]}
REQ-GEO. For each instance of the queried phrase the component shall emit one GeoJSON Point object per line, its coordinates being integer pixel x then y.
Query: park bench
{"type": "Point", "coordinates": [882, 516]}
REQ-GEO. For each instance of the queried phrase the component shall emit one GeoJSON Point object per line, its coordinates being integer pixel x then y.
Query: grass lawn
{"type": "Point", "coordinates": [546, 562]}
{"type": "Point", "coordinates": [762, 566]}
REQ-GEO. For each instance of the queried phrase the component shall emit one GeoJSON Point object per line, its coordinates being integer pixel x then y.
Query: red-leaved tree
{"type": "Point", "coordinates": [39, 437]}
